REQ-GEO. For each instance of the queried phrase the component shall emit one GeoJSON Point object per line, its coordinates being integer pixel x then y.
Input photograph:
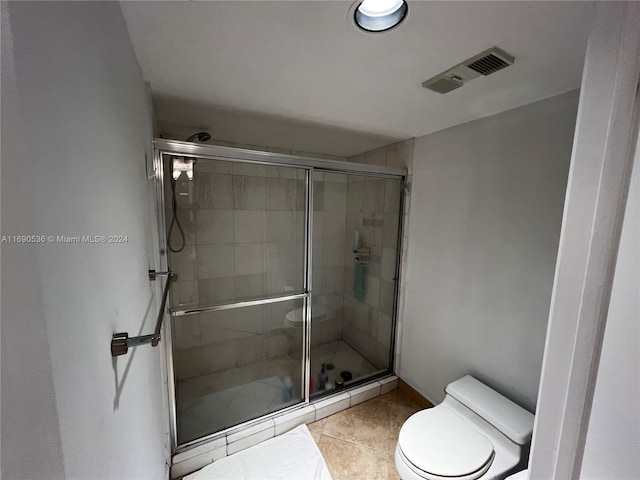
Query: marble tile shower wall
{"type": "Point", "coordinates": [329, 230]}
{"type": "Point", "coordinates": [245, 229]}
{"type": "Point", "coordinates": [211, 233]}
{"type": "Point", "coordinates": [370, 329]}
{"type": "Point", "coordinates": [244, 233]}
{"type": "Point", "coordinates": [229, 339]}
{"type": "Point", "coordinates": [372, 210]}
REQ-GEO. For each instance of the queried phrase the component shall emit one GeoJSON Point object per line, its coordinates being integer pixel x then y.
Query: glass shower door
{"type": "Point", "coordinates": [238, 245]}
{"type": "Point", "coordinates": [356, 220]}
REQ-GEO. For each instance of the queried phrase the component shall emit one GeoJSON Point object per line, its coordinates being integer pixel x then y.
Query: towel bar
{"type": "Point", "coordinates": [120, 342]}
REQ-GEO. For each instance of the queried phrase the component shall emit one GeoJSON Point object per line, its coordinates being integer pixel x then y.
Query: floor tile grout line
{"type": "Point", "coordinates": [354, 443]}
{"type": "Point", "coordinates": [395, 406]}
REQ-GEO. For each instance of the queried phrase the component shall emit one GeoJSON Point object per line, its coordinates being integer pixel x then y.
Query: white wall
{"type": "Point", "coordinates": [487, 201]}
{"type": "Point", "coordinates": [74, 163]}
{"type": "Point", "coordinates": [183, 133]}
{"type": "Point", "coordinates": [181, 118]}
{"type": "Point", "coordinates": [31, 445]}
{"type": "Point", "coordinates": [613, 436]}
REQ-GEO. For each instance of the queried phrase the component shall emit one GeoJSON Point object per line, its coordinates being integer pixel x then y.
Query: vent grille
{"type": "Point", "coordinates": [485, 63]}
{"type": "Point", "coordinates": [488, 64]}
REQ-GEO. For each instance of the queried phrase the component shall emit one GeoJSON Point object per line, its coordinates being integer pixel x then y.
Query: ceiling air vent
{"type": "Point", "coordinates": [485, 63]}
{"type": "Point", "coordinates": [490, 61]}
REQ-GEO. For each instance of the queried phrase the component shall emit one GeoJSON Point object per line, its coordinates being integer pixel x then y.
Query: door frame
{"type": "Point", "coordinates": [602, 159]}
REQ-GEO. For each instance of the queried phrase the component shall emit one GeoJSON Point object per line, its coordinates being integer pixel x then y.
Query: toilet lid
{"type": "Point", "coordinates": [440, 442]}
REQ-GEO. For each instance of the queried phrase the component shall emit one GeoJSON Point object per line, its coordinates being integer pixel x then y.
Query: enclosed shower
{"type": "Point", "coordinates": [287, 272]}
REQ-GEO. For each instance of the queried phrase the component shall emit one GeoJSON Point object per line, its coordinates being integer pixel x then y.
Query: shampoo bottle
{"type": "Point", "coordinates": [321, 379]}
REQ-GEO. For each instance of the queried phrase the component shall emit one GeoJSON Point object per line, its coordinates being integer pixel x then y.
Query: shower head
{"type": "Point", "coordinates": [200, 136]}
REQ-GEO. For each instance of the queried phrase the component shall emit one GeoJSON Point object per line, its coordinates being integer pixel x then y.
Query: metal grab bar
{"type": "Point", "coordinates": [120, 342]}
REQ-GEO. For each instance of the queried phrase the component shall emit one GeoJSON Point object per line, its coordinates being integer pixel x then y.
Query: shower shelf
{"type": "Point", "coordinates": [362, 255]}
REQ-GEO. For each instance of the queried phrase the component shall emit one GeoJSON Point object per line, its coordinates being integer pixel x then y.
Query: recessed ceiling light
{"type": "Point", "coordinates": [380, 15]}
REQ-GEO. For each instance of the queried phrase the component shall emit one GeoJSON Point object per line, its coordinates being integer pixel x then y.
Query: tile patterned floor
{"type": "Point", "coordinates": [359, 443]}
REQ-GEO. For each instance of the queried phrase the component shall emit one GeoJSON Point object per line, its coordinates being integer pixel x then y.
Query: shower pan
{"type": "Point", "coordinates": [287, 270]}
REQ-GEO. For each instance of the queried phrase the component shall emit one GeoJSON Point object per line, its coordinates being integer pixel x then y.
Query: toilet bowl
{"type": "Point", "coordinates": [475, 433]}
{"type": "Point", "coordinates": [295, 318]}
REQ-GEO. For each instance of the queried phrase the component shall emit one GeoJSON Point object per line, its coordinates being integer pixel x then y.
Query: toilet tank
{"type": "Point", "coordinates": [511, 419]}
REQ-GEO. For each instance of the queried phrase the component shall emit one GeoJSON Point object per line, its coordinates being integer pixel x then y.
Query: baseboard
{"type": "Point", "coordinates": [413, 394]}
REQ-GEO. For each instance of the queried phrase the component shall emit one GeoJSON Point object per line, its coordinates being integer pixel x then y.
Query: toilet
{"type": "Point", "coordinates": [475, 433]}
{"type": "Point", "coordinates": [295, 318]}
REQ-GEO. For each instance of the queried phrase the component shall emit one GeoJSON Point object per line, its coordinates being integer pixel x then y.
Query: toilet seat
{"type": "Point", "coordinates": [437, 443]}
{"type": "Point", "coordinates": [429, 476]}
{"type": "Point", "coordinates": [295, 318]}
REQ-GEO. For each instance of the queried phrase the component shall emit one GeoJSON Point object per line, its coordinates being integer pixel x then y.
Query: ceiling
{"type": "Point", "coordinates": [281, 72]}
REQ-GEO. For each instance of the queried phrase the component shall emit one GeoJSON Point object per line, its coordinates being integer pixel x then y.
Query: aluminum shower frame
{"type": "Point", "coordinates": [164, 148]}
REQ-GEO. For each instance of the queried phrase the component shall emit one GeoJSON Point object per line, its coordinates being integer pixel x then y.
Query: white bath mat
{"type": "Point", "coordinates": [293, 455]}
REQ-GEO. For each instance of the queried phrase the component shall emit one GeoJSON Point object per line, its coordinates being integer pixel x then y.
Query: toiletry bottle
{"type": "Point", "coordinates": [287, 393]}
{"type": "Point", "coordinates": [321, 379]}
